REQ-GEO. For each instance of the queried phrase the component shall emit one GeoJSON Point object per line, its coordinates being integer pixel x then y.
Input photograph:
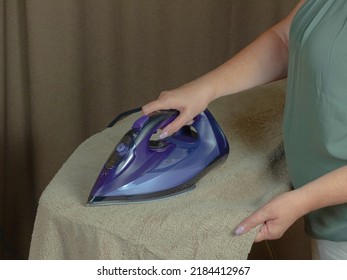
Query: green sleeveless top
{"type": "Point", "coordinates": [315, 118]}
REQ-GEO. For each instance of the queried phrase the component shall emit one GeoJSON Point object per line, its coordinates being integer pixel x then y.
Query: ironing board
{"type": "Point", "coordinates": [195, 225]}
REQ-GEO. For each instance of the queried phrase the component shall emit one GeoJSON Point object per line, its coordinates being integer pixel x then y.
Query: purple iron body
{"type": "Point", "coordinates": [141, 169]}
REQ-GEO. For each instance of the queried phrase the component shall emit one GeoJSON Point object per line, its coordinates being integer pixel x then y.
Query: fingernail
{"type": "Point", "coordinates": [239, 230]}
{"type": "Point", "coordinates": [164, 135]}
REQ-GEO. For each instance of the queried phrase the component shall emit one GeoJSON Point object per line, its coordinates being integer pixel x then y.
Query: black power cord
{"type": "Point", "coordinates": [123, 115]}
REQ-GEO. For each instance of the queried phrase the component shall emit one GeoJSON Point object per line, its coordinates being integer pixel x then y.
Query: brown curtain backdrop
{"type": "Point", "coordinates": [68, 67]}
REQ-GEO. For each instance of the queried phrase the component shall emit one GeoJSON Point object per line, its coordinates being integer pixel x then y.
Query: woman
{"type": "Point", "coordinates": [309, 47]}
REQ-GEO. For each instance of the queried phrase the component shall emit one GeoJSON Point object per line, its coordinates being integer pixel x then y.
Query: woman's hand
{"type": "Point", "coordinates": [282, 211]}
{"type": "Point", "coordinates": [190, 100]}
{"type": "Point", "coordinates": [276, 216]}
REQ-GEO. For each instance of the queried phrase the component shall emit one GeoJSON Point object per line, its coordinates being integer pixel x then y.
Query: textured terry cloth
{"type": "Point", "coordinates": [315, 123]}
{"type": "Point", "coordinates": [195, 225]}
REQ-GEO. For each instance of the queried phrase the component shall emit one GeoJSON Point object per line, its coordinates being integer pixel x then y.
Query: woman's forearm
{"type": "Point", "coordinates": [328, 190]}
{"type": "Point", "coordinates": [263, 61]}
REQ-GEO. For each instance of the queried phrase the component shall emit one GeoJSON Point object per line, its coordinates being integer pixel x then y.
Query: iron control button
{"type": "Point", "coordinates": [122, 149]}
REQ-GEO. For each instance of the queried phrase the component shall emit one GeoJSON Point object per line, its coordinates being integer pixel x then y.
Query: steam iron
{"type": "Point", "coordinates": [142, 168]}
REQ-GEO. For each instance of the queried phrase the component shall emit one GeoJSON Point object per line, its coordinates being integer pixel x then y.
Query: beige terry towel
{"type": "Point", "coordinates": [195, 225]}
